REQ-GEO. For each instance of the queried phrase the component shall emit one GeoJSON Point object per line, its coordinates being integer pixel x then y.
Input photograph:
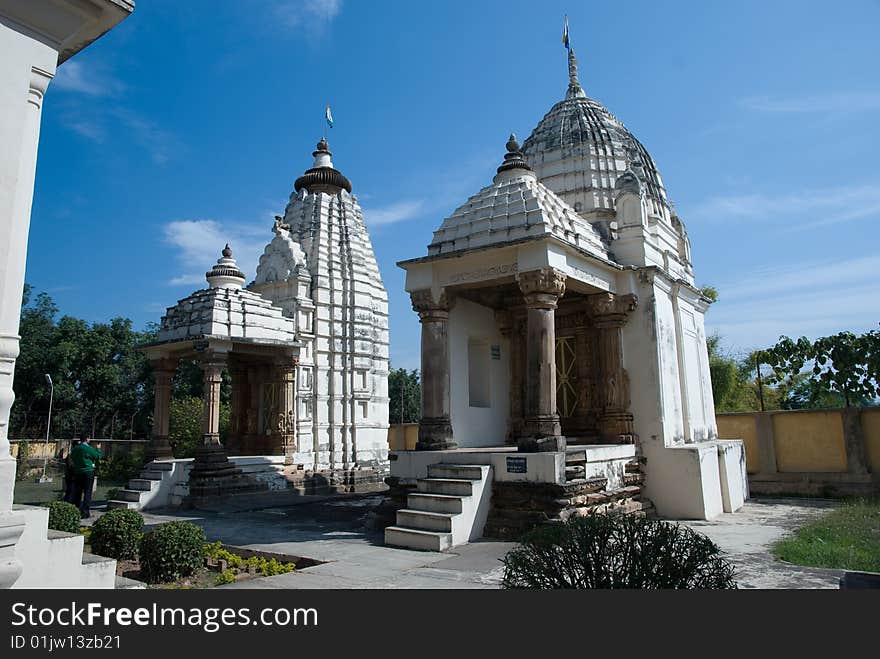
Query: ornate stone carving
{"type": "Point", "coordinates": [610, 310]}
{"type": "Point", "coordinates": [543, 282]}
{"type": "Point", "coordinates": [428, 307]}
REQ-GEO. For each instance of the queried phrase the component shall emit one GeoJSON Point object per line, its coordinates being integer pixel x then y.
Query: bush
{"type": "Point", "coordinates": [616, 551]}
{"type": "Point", "coordinates": [171, 551]}
{"type": "Point", "coordinates": [225, 577]}
{"type": "Point", "coordinates": [117, 534]}
{"type": "Point", "coordinates": [63, 516]}
{"type": "Point", "coordinates": [120, 468]}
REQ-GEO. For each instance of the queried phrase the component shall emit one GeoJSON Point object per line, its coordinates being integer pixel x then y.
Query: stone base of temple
{"type": "Point", "coordinates": [336, 481]}
{"type": "Point", "coordinates": [214, 475]}
{"type": "Point", "coordinates": [527, 489]}
{"type": "Point", "coordinates": [519, 507]}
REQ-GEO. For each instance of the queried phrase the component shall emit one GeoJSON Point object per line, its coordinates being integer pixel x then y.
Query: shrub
{"type": "Point", "coordinates": [117, 533]}
{"type": "Point", "coordinates": [120, 468]}
{"type": "Point", "coordinates": [616, 551]}
{"type": "Point", "coordinates": [171, 551]}
{"type": "Point", "coordinates": [266, 567]}
{"type": "Point", "coordinates": [63, 516]}
{"type": "Point", "coordinates": [225, 577]}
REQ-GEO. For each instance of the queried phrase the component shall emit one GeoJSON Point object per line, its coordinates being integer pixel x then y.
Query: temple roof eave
{"type": "Point", "coordinates": [513, 243]}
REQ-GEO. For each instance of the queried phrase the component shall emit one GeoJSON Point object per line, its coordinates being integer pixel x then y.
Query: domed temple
{"type": "Point", "coordinates": [564, 361]}
{"type": "Point", "coordinates": [305, 346]}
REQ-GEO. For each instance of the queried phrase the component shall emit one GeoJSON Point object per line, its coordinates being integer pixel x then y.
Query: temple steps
{"type": "Point", "coordinates": [152, 485]}
{"type": "Point", "coordinates": [449, 508]}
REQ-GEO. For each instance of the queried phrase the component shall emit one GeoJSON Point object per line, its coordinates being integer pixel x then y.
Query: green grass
{"type": "Point", "coordinates": [31, 493]}
{"type": "Point", "coordinates": [846, 538]}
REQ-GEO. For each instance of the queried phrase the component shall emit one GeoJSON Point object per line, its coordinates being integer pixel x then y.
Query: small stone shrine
{"type": "Point", "coordinates": [564, 361]}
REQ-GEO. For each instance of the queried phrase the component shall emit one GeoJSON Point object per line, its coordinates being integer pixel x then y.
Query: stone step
{"type": "Point", "coordinates": [129, 495]}
{"type": "Point", "coordinates": [97, 571]}
{"type": "Point", "coordinates": [159, 465]}
{"type": "Point", "coordinates": [459, 472]}
{"type": "Point", "coordinates": [435, 503]}
{"type": "Point", "coordinates": [425, 520]}
{"type": "Point", "coordinates": [416, 539]}
{"type": "Point", "coordinates": [150, 475]}
{"type": "Point", "coordinates": [133, 505]}
{"type": "Point", "coordinates": [452, 486]}
{"type": "Point", "coordinates": [142, 484]}
{"type": "Point", "coordinates": [124, 583]}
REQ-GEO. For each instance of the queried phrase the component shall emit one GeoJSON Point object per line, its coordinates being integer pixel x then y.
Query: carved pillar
{"type": "Point", "coordinates": [511, 329]}
{"type": "Point", "coordinates": [238, 413]}
{"type": "Point", "coordinates": [609, 315]}
{"type": "Point", "coordinates": [541, 430]}
{"type": "Point", "coordinates": [163, 375]}
{"type": "Point", "coordinates": [213, 371]}
{"type": "Point", "coordinates": [286, 421]}
{"type": "Point", "coordinates": [435, 427]}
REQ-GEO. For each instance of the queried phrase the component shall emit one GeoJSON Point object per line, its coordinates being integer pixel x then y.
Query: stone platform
{"type": "Point", "coordinates": [525, 489]}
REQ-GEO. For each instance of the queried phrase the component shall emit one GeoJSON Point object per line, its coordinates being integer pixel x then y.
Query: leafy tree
{"type": "Point", "coordinates": [404, 393]}
{"type": "Point", "coordinates": [842, 366]}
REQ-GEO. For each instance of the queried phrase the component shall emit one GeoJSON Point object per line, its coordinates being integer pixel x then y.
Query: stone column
{"type": "Point", "coordinates": [287, 406]}
{"type": "Point", "coordinates": [213, 371]}
{"type": "Point", "coordinates": [435, 427]}
{"type": "Point", "coordinates": [511, 329]}
{"type": "Point", "coordinates": [541, 430]}
{"type": "Point", "coordinates": [163, 375]}
{"type": "Point", "coordinates": [238, 374]}
{"type": "Point", "coordinates": [609, 315]}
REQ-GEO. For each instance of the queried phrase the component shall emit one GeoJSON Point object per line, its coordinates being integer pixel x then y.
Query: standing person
{"type": "Point", "coordinates": [69, 476]}
{"type": "Point", "coordinates": [83, 456]}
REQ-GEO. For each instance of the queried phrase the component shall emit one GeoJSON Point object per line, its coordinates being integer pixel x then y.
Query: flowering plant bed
{"type": "Point", "coordinates": [225, 564]}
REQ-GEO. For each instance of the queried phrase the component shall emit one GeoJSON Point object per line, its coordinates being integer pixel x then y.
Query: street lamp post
{"type": "Point", "coordinates": [44, 478]}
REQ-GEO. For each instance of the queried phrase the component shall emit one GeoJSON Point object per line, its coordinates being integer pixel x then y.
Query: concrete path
{"type": "Point", "coordinates": [746, 536]}
{"type": "Point", "coordinates": [334, 530]}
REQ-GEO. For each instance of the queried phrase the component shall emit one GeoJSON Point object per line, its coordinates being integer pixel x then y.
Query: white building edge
{"type": "Point", "coordinates": [35, 38]}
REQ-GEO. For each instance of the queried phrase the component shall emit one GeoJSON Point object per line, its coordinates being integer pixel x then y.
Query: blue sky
{"type": "Point", "coordinates": [186, 126]}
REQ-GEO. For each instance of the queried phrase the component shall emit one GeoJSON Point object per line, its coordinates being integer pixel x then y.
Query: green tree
{"type": "Point", "coordinates": [404, 394]}
{"type": "Point", "coordinates": [842, 366]}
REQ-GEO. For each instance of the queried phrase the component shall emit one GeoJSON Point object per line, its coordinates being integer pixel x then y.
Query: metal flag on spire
{"type": "Point", "coordinates": [565, 40]}
{"type": "Point", "coordinates": [328, 116]}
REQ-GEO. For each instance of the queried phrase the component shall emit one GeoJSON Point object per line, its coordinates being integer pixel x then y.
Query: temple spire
{"type": "Point", "coordinates": [574, 86]}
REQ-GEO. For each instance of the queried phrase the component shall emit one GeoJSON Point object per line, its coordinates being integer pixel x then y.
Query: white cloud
{"type": "Point", "coordinates": [819, 104]}
{"type": "Point", "coordinates": [396, 212]}
{"type": "Point", "coordinates": [199, 243]}
{"type": "Point", "coordinates": [812, 207]}
{"type": "Point", "coordinates": [310, 15]}
{"type": "Point", "coordinates": [809, 298]}
{"type": "Point", "coordinates": [74, 76]}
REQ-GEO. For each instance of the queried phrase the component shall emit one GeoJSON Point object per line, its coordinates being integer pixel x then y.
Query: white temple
{"type": "Point", "coordinates": [305, 345]}
{"type": "Point", "coordinates": [564, 361]}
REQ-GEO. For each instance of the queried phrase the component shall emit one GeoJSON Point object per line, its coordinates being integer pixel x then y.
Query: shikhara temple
{"type": "Point", "coordinates": [306, 347]}
{"type": "Point", "coordinates": [564, 360]}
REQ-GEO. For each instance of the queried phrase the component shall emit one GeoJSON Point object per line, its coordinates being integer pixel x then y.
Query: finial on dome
{"type": "Point", "coordinates": [574, 86]}
{"type": "Point", "coordinates": [514, 158]}
{"type": "Point", "coordinates": [226, 273]}
{"type": "Point", "coordinates": [322, 154]}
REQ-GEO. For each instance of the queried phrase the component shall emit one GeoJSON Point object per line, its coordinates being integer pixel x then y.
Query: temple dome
{"type": "Point", "coordinates": [579, 149]}
{"type": "Point", "coordinates": [516, 207]}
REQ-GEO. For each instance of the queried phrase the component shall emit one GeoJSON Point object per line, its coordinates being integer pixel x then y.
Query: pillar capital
{"type": "Point", "coordinates": [611, 310]}
{"type": "Point", "coordinates": [542, 288]}
{"type": "Point", "coordinates": [431, 307]}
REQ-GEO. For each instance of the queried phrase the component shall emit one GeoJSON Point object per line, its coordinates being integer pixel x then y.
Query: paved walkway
{"type": "Point", "coordinates": [334, 531]}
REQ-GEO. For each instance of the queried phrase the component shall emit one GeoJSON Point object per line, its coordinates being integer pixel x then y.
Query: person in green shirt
{"type": "Point", "coordinates": [83, 457]}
